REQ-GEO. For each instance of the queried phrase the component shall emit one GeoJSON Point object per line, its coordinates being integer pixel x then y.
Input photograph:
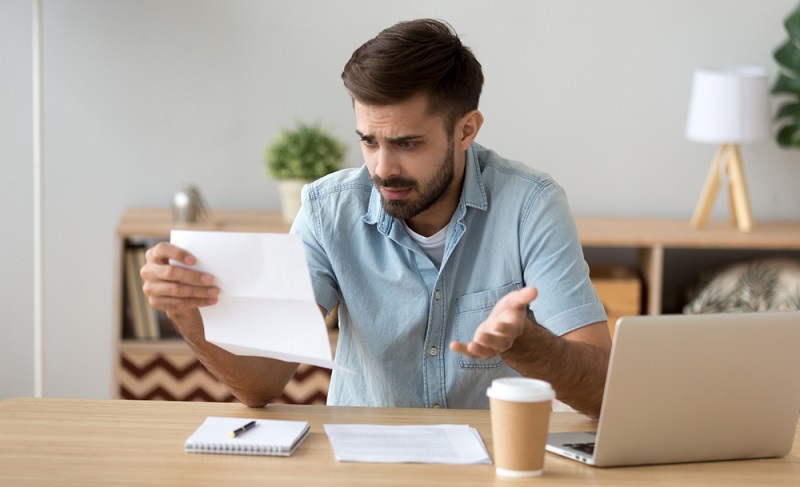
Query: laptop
{"type": "Point", "coordinates": [695, 388]}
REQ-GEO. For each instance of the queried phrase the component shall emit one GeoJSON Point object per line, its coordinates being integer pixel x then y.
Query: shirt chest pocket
{"type": "Point", "coordinates": [471, 311]}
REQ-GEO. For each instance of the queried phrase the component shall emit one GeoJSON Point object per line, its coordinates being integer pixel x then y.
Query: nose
{"type": "Point", "coordinates": [386, 165]}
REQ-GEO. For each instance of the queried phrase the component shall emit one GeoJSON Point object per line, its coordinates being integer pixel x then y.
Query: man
{"type": "Point", "coordinates": [431, 250]}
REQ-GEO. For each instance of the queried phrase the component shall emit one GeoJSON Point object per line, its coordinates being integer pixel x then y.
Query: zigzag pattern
{"type": "Point", "coordinates": [318, 397]}
{"type": "Point", "coordinates": [160, 363]}
{"type": "Point", "coordinates": [308, 386]}
{"type": "Point", "coordinates": [159, 393]}
{"type": "Point", "coordinates": [183, 378]}
{"type": "Point", "coordinates": [305, 371]}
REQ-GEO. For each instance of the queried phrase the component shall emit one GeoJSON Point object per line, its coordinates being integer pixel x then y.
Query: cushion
{"type": "Point", "coordinates": [771, 284]}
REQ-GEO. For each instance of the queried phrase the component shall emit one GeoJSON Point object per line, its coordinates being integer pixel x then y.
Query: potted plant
{"type": "Point", "coordinates": [787, 56]}
{"type": "Point", "coordinates": [298, 156]}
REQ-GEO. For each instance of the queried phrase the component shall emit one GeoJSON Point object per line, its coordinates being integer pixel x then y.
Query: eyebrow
{"type": "Point", "coordinates": [390, 140]}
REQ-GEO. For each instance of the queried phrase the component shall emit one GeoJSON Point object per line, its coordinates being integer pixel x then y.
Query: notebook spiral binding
{"type": "Point", "coordinates": [235, 449]}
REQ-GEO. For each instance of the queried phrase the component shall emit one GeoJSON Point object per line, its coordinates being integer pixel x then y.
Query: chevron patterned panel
{"type": "Point", "coordinates": [308, 386]}
{"type": "Point", "coordinates": [181, 377]}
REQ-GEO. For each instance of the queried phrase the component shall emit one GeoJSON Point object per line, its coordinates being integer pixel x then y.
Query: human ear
{"type": "Point", "coordinates": [467, 128]}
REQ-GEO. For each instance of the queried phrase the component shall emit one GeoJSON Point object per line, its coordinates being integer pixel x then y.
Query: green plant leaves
{"type": "Point", "coordinates": [787, 55]}
{"type": "Point", "coordinates": [789, 136]}
{"type": "Point", "coordinates": [785, 84]}
{"type": "Point", "coordinates": [305, 152]}
{"type": "Point", "coordinates": [792, 24]}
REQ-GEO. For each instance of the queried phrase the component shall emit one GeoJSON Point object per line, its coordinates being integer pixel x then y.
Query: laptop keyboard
{"type": "Point", "coordinates": [587, 448]}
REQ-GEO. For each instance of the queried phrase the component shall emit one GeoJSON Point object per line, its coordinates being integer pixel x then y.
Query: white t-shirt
{"type": "Point", "coordinates": [433, 246]}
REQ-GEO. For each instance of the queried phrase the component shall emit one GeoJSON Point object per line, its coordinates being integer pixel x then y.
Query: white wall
{"type": "Point", "coordinates": [16, 202]}
{"type": "Point", "coordinates": [143, 95]}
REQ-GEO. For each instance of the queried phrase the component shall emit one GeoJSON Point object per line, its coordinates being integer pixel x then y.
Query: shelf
{"type": "Point", "coordinates": [652, 238]}
{"type": "Point", "coordinates": [656, 247]}
{"type": "Point", "coordinates": [167, 369]}
{"type": "Point", "coordinates": [157, 222]}
{"type": "Point", "coordinates": [673, 233]}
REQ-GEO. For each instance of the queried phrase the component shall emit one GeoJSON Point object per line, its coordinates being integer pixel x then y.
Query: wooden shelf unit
{"type": "Point", "coordinates": [167, 369]}
{"type": "Point", "coordinates": [649, 241]}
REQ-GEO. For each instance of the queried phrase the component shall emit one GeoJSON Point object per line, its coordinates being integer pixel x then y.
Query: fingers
{"type": "Point", "coordinates": [505, 323]}
{"type": "Point", "coordinates": [164, 251]}
{"type": "Point", "coordinates": [459, 348]}
{"type": "Point", "coordinates": [172, 287]}
{"type": "Point", "coordinates": [485, 345]}
{"type": "Point", "coordinates": [519, 299]}
{"type": "Point", "coordinates": [173, 296]}
{"type": "Point", "coordinates": [157, 271]}
{"type": "Point", "coordinates": [474, 350]}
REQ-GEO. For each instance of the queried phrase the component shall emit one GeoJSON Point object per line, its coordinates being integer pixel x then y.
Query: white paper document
{"type": "Point", "coordinates": [266, 305]}
{"type": "Point", "coordinates": [440, 443]}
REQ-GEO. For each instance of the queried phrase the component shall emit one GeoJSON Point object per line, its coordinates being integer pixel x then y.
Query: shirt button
{"type": "Point", "coordinates": [438, 294]}
{"type": "Point", "coordinates": [436, 406]}
{"type": "Point", "coordinates": [433, 351]}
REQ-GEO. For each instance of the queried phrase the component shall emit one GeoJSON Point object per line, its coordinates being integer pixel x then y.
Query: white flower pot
{"type": "Point", "coordinates": [289, 191]}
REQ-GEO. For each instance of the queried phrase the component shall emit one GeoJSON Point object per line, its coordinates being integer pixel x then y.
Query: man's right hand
{"type": "Point", "coordinates": [179, 291]}
{"type": "Point", "coordinates": [173, 288]}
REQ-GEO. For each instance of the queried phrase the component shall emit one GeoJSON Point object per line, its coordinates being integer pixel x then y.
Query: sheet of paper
{"type": "Point", "coordinates": [441, 443]}
{"type": "Point", "coordinates": [266, 305]}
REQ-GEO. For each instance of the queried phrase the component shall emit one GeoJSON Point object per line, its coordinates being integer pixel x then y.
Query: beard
{"type": "Point", "coordinates": [430, 192]}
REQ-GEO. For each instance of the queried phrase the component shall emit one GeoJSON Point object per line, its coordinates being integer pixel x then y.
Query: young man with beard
{"type": "Point", "coordinates": [451, 266]}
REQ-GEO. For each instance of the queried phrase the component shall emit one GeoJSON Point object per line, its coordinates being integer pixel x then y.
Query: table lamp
{"type": "Point", "coordinates": [728, 106]}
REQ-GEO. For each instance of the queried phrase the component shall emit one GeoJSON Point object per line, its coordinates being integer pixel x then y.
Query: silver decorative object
{"type": "Point", "coordinates": [188, 205]}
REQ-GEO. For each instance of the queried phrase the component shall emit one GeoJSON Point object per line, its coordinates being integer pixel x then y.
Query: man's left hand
{"type": "Point", "coordinates": [505, 323]}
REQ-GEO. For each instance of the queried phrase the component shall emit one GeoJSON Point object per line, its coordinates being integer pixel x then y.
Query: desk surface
{"type": "Point", "coordinates": [104, 442]}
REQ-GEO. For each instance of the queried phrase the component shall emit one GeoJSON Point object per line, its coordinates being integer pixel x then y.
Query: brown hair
{"type": "Point", "coordinates": [422, 56]}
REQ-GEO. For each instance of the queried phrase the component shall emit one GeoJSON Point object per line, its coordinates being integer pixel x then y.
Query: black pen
{"type": "Point", "coordinates": [239, 431]}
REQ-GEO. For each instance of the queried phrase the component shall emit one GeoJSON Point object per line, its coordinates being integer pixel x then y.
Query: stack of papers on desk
{"type": "Point", "coordinates": [266, 306]}
{"type": "Point", "coordinates": [441, 443]}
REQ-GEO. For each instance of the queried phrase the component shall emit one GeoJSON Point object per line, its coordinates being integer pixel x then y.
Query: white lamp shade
{"type": "Point", "coordinates": [729, 105]}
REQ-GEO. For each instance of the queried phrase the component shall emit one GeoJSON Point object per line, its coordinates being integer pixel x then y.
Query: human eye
{"type": "Point", "coordinates": [406, 144]}
{"type": "Point", "coordinates": [368, 141]}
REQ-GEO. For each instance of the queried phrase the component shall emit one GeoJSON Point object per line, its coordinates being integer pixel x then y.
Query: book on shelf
{"type": "Point", "coordinates": [134, 294]}
{"type": "Point", "coordinates": [145, 321]}
{"type": "Point", "coordinates": [150, 316]}
{"type": "Point", "coordinates": [141, 321]}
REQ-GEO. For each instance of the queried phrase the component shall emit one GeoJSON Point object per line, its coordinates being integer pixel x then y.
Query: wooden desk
{"type": "Point", "coordinates": [112, 442]}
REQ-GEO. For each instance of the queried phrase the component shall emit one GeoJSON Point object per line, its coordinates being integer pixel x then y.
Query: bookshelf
{"type": "Point", "coordinates": [668, 254]}
{"type": "Point", "coordinates": [159, 365]}
{"type": "Point", "coordinates": [637, 266]}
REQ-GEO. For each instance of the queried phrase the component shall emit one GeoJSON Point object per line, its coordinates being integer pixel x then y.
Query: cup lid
{"type": "Point", "coordinates": [521, 389]}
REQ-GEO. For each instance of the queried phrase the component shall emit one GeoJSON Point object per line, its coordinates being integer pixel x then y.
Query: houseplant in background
{"type": "Point", "coordinates": [298, 156]}
{"type": "Point", "coordinates": [787, 56]}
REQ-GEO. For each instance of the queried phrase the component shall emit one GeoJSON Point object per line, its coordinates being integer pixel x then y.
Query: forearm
{"type": "Point", "coordinates": [255, 381]}
{"type": "Point", "coordinates": [576, 370]}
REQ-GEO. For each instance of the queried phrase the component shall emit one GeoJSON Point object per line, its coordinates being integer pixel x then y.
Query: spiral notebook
{"type": "Point", "coordinates": [267, 437]}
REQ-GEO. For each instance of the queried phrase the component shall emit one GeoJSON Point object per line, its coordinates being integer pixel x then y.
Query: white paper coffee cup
{"type": "Point", "coordinates": [520, 412]}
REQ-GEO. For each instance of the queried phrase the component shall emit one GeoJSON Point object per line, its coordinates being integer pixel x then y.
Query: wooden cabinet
{"type": "Point", "coordinates": [637, 266]}
{"type": "Point", "coordinates": [668, 253]}
{"type": "Point", "coordinates": [165, 368]}
{"type": "Point", "coordinates": [619, 289]}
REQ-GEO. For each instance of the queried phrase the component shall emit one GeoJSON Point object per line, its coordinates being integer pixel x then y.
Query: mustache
{"type": "Point", "coordinates": [393, 182]}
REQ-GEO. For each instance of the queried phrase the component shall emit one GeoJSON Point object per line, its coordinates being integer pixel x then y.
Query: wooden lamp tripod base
{"type": "Point", "coordinates": [729, 160]}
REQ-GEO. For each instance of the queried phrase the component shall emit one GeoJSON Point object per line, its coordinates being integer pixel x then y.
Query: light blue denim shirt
{"type": "Point", "coordinates": [398, 313]}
